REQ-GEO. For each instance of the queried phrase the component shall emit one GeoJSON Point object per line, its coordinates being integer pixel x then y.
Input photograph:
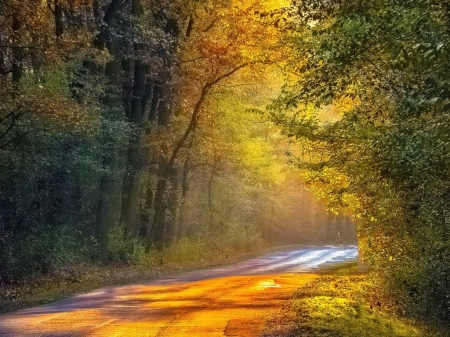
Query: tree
{"type": "Point", "coordinates": [391, 146]}
{"type": "Point", "coordinates": [215, 50]}
{"type": "Point", "coordinates": [46, 146]}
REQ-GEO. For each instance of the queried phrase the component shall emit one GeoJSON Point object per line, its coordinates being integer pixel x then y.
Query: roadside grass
{"type": "Point", "coordinates": [334, 305]}
{"type": "Point", "coordinates": [187, 255]}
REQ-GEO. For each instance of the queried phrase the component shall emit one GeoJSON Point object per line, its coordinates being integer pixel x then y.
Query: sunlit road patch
{"type": "Point", "coordinates": [268, 284]}
{"type": "Point", "coordinates": [231, 301]}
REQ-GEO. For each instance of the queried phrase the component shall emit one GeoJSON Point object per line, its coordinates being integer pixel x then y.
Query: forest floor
{"type": "Point", "coordinates": [335, 305]}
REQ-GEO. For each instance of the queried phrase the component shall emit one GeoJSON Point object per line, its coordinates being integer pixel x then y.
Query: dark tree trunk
{"type": "Point", "coordinates": [184, 191]}
{"type": "Point", "coordinates": [17, 53]}
{"type": "Point", "coordinates": [166, 166]}
{"type": "Point", "coordinates": [210, 198]}
{"type": "Point", "coordinates": [137, 117]}
{"type": "Point", "coordinates": [157, 236]}
{"type": "Point", "coordinates": [59, 19]}
{"type": "Point", "coordinates": [146, 211]}
{"type": "Point", "coordinates": [173, 207]}
{"type": "Point", "coordinates": [105, 209]}
{"type": "Point", "coordinates": [158, 231]}
{"type": "Point", "coordinates": [112, 102]}
{"type": "Point", "coordinates": [132, 185]}
{"type": "Point", "coordinates": [3, 70]}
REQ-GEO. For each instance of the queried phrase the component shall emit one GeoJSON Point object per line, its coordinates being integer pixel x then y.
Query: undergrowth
{"type": "Point", "coordinates": [338, 305]}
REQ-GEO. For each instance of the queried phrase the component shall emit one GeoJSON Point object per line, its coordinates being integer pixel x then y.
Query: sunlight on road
{"type": "Point", "coordinates": [227, 301]}
{"type": "Point", "coordinates": [229, 306]}
{"type": "Point", "coordinates": [268, 284]}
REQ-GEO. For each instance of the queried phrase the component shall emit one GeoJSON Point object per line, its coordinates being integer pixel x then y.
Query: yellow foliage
{"type": "Point", "coordinates": [346, 104]}
{"type": "Point", "coordinates": [256, 157]}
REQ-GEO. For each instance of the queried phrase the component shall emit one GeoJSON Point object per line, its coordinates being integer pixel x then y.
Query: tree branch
{"type": "Point", "coordinates": [210, 26]}
{"type": "Point", "coordinates": [49, 6]}
{"type": "Point", "coordinates": [195, 114]}
{"type": "Point", "coordinates": [112, 9]}
{"type": "Point", "coordinates": [5, 72]}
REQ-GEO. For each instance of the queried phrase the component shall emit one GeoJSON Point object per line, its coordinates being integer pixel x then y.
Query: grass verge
{"type": "Point", "coordinates": [334, 305]}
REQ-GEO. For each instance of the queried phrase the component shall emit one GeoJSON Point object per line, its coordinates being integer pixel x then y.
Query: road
{"type": "Point", "coordinates": [227, 301]}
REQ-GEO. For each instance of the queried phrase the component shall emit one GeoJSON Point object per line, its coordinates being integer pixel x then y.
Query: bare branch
{"type": "Point", "coordinates": [8, 129]}
{"type": "Point", "coordinates": [210, 26]}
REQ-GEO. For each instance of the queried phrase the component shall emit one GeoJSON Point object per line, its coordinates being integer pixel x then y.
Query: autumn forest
{"type": "Point", "coordinates": [129, 128]}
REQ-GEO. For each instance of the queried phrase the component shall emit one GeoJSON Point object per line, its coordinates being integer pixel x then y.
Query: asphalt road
{"type": "Point", "coordinates": [227, 301]}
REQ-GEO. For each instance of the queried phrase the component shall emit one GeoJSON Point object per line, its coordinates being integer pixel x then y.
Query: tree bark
{"type": "Point", "coordinates": [3, 70]}
{"type": "Point", "coordinates": [210, 200]}
{"type": "Point", "coordinates": [105, 209]}
{"type": "Point", "coordinates": [134, 168]}
{"type": "Point", "coordinates": [184, 190]}
{"type": "Point", "coordinates": [112, 102]}
{"type": "Point", "coordinates": [173, 207]}
{"type": "Point", "coordinates": [157, 235]}
{"type": "Point", "coordinates": [59, 19]}
{"type": "Point", "coordinates": [17, 54]}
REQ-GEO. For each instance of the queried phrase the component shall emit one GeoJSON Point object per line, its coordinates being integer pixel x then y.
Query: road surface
{"type": "Point", "coordinates": [227, 301]}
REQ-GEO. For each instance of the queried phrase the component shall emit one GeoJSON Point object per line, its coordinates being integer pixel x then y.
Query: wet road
{"type": "Point", "coordinates": [226, 301]}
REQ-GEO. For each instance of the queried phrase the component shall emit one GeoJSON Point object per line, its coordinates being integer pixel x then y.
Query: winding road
{"type": "Point", "coordinates": [226, 301]}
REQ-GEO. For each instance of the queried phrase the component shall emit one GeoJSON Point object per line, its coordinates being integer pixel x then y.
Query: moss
{"type": "Point", "coordinates": [336, 316]}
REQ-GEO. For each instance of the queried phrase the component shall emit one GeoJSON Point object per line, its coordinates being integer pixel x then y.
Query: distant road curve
{"type": "Point", "coordinates": [225, 301]}
{"type": "Point", "coordinates": [300, 260]}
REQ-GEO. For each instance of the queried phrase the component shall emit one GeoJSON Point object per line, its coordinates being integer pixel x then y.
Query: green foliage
{"type": "Point", "coordinates": [45, 216]}
{"type": "Point", "coordinates": [127, 250]}
{"type": "Point", "coordinates": [392, 145]}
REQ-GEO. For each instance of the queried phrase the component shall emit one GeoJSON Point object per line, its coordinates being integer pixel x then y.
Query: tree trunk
{"type": "Point", "coordinates": [184, 190]}
{"type": "Point", "coordinates": [105, 209]}
{"type": "Point", "coordinates": [158, 230]}
{"type": "Point", "coordinates": [59, 19]}
{"type": "Point", "coordinates": [146, 211]}
{"type": "Point", "coordinates": [138, 117]}
{"type": "Point", "coordinates": [132, 188]}
{"type": "Point", "coordinates": [112, 102]}
{"type": "Point", "coordinates": [157, 235]}
{"type": "Point", "coordinates": [210, 201]}
{"type": "Point", "coordinates": [17, 54]}
{"type": "Point", "coordinates": [3, 70]}
{"type": "Point", "coordinates": [173, 207]}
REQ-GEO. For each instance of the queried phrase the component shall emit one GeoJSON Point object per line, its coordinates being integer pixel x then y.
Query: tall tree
{"type": "Point", "coordinates": [152, 83]}
{"type": "Point", "coordinates": [112, 103]}
{"type": "Point", "coordinates": [216, 50]}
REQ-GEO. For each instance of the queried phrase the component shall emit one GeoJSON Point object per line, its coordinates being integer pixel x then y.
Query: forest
{"type": "Point", "coordinates": [128, 127]}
